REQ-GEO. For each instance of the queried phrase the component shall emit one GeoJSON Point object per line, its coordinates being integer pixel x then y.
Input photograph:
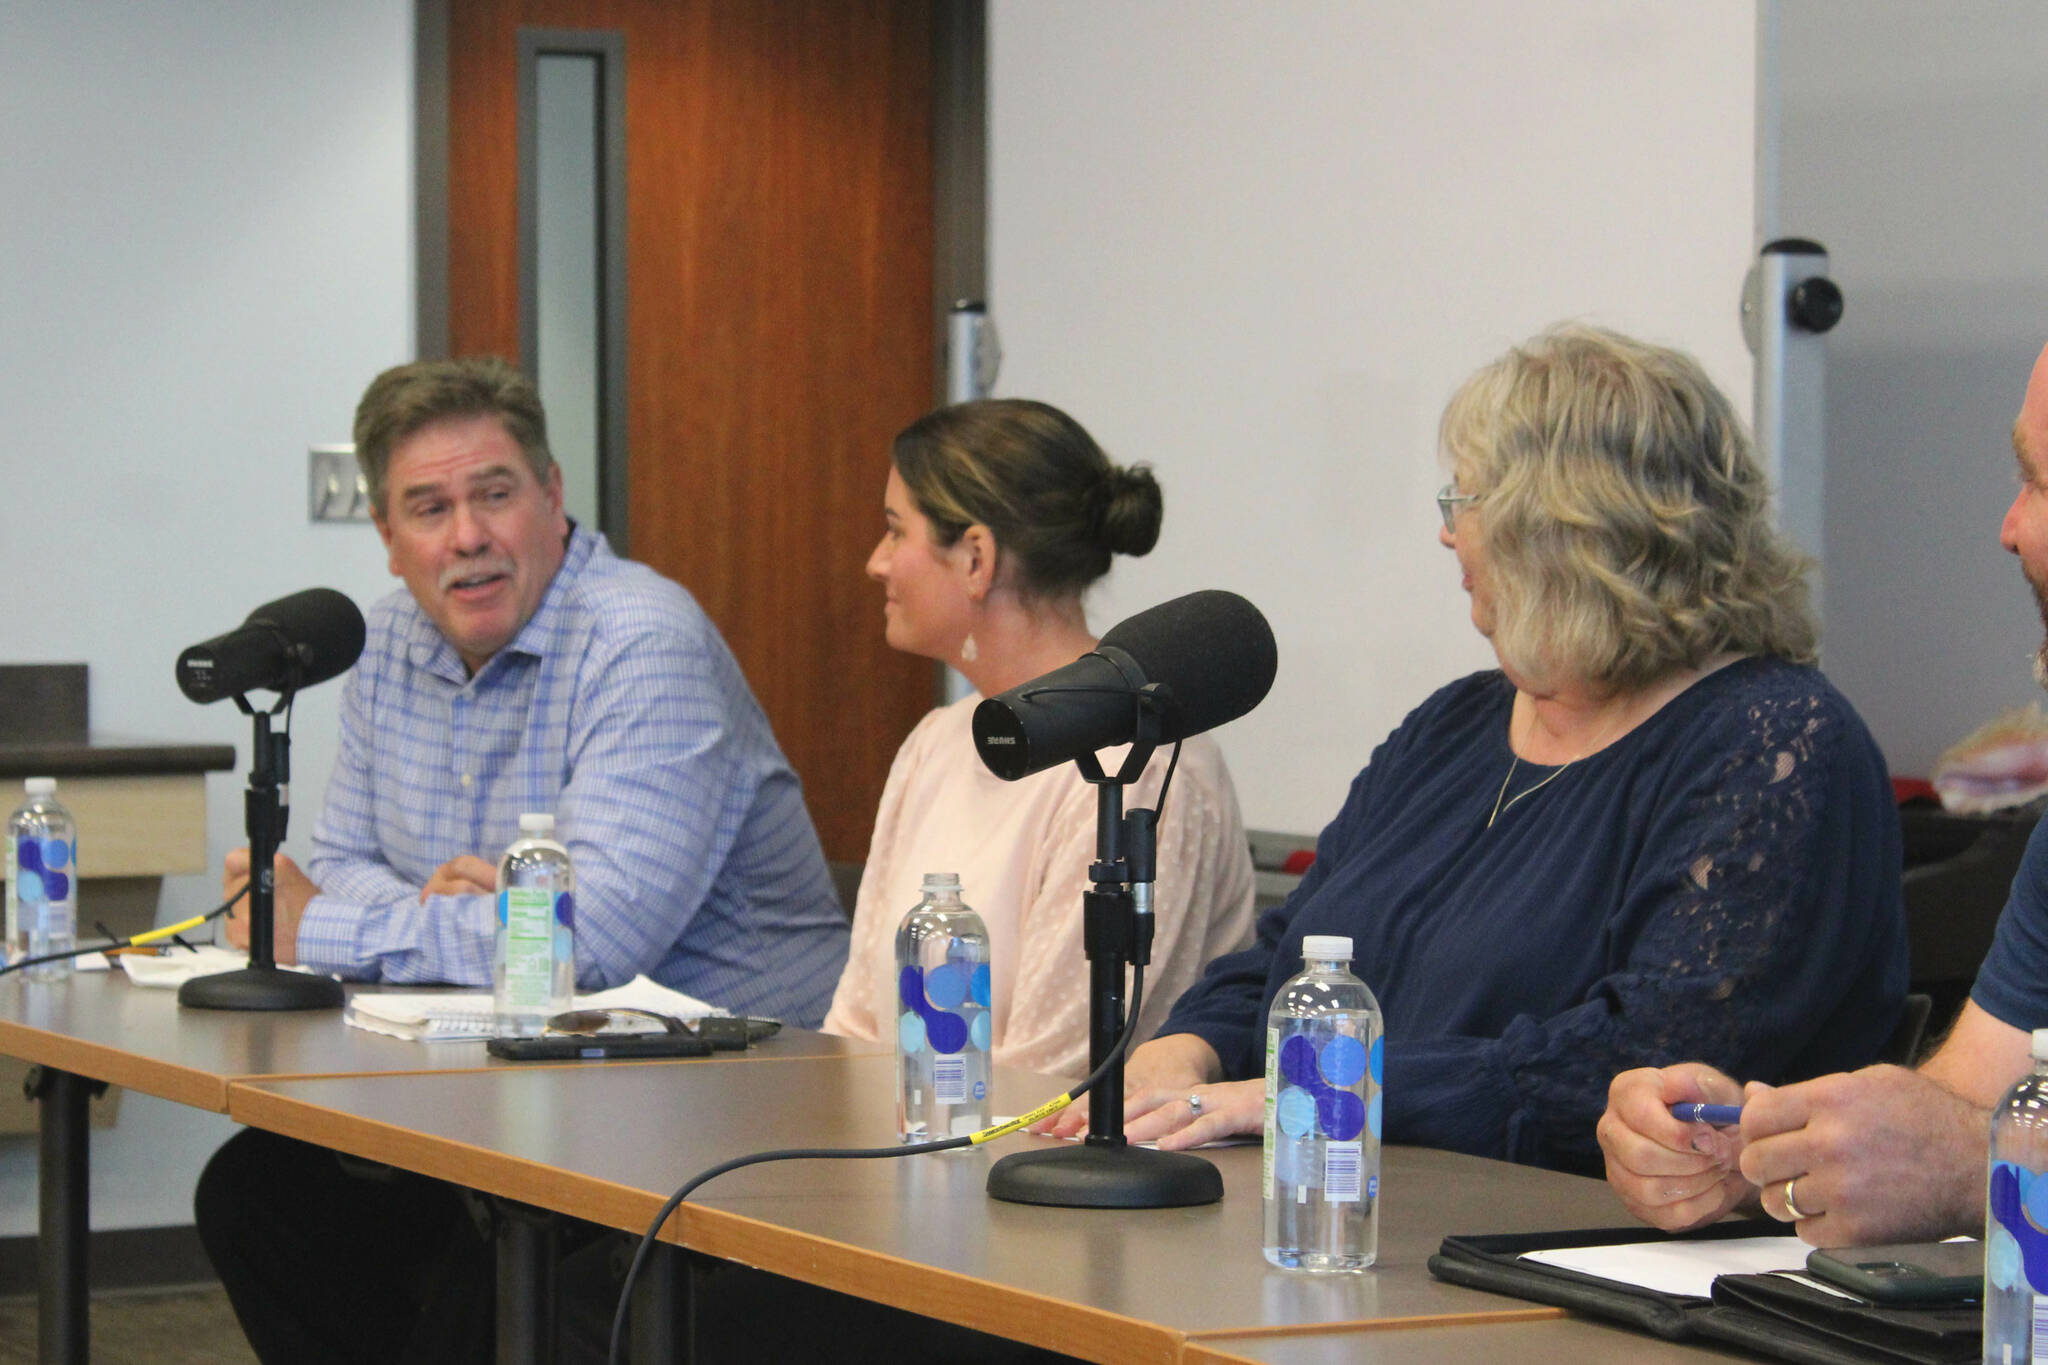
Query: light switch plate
{"type": "Point", "coordinates": [335, 488]}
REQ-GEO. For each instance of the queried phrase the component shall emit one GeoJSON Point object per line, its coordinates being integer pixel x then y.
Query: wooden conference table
{"type": "Point", "coordinates": [920, 1233]}
{"type": "Point", "coordinates": [1577, 1340]}
{"type": "Point", "coordinates": [97, 1028]}
{"type": "Point", "coordinates": [609, 1143]}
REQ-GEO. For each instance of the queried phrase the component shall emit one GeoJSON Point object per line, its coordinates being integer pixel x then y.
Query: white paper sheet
{"type": "Point", "coordinates": [1679, 1267]}
{"type": "Point", "coordinates": [439, 1016]}
{"type": "Point", "coordinates": [173, 969]}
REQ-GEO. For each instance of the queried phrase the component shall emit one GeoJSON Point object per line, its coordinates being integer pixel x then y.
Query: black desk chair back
{"type": "Point", "coordinates": [1959, 870]}
{"type": "Point", "coordinates": [1911, 1034]}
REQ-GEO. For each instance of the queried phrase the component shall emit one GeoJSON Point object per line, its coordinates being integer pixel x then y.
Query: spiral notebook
{"type": "Point", "coordinates": [444, 1016]}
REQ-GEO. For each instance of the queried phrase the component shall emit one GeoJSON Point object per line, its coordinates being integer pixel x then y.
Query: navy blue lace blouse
{"type": "Point", "coordinates": [1719, 885]}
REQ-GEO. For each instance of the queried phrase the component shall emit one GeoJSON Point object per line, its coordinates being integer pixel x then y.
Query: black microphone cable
{"type": "Point", "coordinates": [1166, 783]}
{"type": "Point", "coordinates": [133, 940]}
{"type": "Point", "coordinates": [115, 944]}
{"type": "Point", "coordinates": [990, 1134]}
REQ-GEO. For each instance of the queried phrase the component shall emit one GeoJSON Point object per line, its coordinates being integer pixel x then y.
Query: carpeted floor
{"type": "Point", "coordinates": [137, 1327]}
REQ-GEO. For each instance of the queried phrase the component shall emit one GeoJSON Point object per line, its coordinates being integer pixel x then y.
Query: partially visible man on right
{"type": "Point", "coordinates": [1883, 1154]}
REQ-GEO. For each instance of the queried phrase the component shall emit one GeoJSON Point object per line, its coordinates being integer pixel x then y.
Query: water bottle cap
{"type": "Point", "coordinates": [1328, 947]}
{"type": "Point", "coordinates": [537, 822]}
{"type": "Point", "coordinates": [40, 786]}
{"type": "Point", "coordinates": [941, 881]}
{"type": "Point", "coordinates": [2040, 1048]}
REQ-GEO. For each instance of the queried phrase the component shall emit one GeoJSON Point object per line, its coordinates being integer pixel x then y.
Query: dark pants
{"type": "Point", "coordinates": [749, 1317]}
{"type": "Point", "coordinates": [331, 1260]}
{"type": "Point", "coordinates": [344, 1265]}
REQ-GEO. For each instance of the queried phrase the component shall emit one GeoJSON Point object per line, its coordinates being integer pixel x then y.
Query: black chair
{"type": "Point", "coordinates": [1958, 873]}
{"type": "Point", "coordinates": [846, 882]}
{"type": "Point", "coordinates": [1904, 1047]}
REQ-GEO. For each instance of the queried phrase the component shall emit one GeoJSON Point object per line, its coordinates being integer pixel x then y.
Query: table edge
{"type": "Point", "coordinates": [164, 1080]}
{"type": "Point", "coordinates": [1053, 1323]}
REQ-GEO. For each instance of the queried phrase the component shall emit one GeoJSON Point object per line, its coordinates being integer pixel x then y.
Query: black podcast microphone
{"type": "Point", "coordinates": [1211, 653]}
{"type": "Point", "coordinates": [285, 645]}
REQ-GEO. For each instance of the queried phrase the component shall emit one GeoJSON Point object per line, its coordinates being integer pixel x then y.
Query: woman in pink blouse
{"type": "Point", "coordinates": [998, 516]}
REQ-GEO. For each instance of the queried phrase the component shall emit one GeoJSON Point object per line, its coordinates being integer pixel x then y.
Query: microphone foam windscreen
{"type": "Point", "coordinates": [1212, 649]}
{"type": "Point", "coordinates": [323, 625]}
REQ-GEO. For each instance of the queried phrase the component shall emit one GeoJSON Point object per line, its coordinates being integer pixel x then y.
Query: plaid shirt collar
{"type": "Point", "coordinates": [428, 649]}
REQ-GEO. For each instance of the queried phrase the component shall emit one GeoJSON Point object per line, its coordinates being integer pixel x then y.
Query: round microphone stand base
{"type": "Point", "coordinates": [1103, 1176]}
{"type": "Point", "coordinates": [261, 988]}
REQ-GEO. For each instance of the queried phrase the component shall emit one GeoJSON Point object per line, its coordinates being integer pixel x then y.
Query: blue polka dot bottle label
{"type": "Point", "coordinates": [1325, 1059]}
{"type": "Point", "coordinates": [14, 947]}
{"type": "Point", "coordinates": [944, 1001]}
{"type": "Point", "coordinates": [42, 882]}
{"type": "Point", "coordinates": [2016, 1220]}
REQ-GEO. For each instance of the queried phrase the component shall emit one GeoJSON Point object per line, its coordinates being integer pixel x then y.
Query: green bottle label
{"type": "Point", "coordinates": [529, 917]}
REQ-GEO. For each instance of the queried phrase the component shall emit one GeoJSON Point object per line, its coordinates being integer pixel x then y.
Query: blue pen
{"type": "Point", "coordinates": [1720, 1115]}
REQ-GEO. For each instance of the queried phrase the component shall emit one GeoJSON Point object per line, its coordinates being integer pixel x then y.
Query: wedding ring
{"type": "Point", "coordinates": [1791, 1207]}
{"type": "Point", "coordinates": [1195, 1105]}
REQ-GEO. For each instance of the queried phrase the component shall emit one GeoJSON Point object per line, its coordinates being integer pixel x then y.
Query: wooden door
{"type": "Point", "coordinates": [779, 326]}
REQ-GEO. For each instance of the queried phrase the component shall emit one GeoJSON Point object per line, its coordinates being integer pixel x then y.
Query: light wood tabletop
{"type": "Point", "coordinates": [919, 1233]}
{"type": "Point", "coordinates": [1582, 1341]}
{"type": "Point", "coordinates": [98, 1025]}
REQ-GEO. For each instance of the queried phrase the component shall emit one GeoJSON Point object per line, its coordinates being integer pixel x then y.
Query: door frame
{"type": "Point", "coordinates": [608, 46]}
{"type": "Point", "coordinates": [959, 175]}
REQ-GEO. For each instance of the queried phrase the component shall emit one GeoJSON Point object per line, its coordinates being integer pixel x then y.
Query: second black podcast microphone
{"type": "Point", "coordinates": [285, 645]}
{"type": "Point", "coordinates": [1211, 652]}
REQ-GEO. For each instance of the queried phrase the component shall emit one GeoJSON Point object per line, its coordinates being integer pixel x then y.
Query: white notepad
{"type": "Point", "coordinates": [1679, 1267]}
{"type": "Point", "coordinates": [170, 970]}
{"type": "Point", "coordinates": [439, 1016]}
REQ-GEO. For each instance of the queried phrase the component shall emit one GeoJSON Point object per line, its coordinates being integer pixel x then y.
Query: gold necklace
{"type": "Point", "coordinates": [1498, 807]}
{"type": "Point", "coordinates": [1500, 803]}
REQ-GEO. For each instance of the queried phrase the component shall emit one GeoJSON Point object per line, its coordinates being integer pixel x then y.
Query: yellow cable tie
{"type": "Point", "coordinates": [168, 931]}
{"type": "Point", "coordinates": [1046, 1110]}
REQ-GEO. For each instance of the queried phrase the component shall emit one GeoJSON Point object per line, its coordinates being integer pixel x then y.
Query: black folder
{"type": "Point", "coordinates": [1772, 1315]}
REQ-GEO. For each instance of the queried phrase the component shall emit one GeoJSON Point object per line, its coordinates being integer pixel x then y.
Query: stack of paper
{"type": "Point", "coordinates": [175, 968]}
{"type": "Point", "coordinates": [437, 1016]}
{"type": "Point", "coordinates": [1680, 1267]}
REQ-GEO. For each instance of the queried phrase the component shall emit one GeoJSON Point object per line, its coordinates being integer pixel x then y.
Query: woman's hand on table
{"type": "Point", "coordinates": [1176, 1065]}
{"type": "Point", "coordinates": [1189, 1117]}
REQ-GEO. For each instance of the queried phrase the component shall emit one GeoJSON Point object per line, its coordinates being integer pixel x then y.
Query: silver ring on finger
{"type": "Point", "coordinates": [1790, 1207]}
{"type": "Point", "coordinates": [1195, 1105]}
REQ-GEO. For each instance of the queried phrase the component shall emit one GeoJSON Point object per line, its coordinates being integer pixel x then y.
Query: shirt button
{"type": "Point", "coordinates": [465, 779]}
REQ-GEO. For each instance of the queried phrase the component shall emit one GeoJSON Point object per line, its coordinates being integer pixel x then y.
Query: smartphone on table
{"type": "Point", "coordinates": [551, 1047]}
{"type": "Point", "coordinates": [591, 1035]}
{"type": "Point", "coordinates": [1905, 1272]}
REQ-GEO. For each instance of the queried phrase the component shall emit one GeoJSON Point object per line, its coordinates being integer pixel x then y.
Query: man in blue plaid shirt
{"type": "Point", "coordinates": [527, 668]}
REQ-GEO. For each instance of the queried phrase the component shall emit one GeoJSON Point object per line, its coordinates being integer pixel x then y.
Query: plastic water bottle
{"type": "Point", "coordinates": [533, 968]}
{"type": "Point", "coordinates": [2016, 1208]}
{"type": "Point", "coordinates": [1325, 1056]}
{"type": "Point", "coordinates": [942, 1035]}
{"type": "Point", "coordinates": [42, 881]}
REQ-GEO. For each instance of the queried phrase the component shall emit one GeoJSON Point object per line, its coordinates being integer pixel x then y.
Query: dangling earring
{"type": "Point", "coordinates": [968, 652]}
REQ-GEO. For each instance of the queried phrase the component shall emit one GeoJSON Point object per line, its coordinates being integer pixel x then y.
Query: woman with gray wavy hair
{"type": "Point", "coordinates": [1654, 832]}
{"type": "Point", "coordinates": [1626, 522]}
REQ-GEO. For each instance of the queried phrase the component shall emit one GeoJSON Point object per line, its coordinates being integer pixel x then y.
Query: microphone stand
{"type": "Point", "coordinates": [1105, 1171]}
{"type": "Point", "coordinates": [263, 985]}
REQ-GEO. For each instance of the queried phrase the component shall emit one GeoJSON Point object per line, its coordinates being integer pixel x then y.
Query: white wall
{"type": "Point", "coordinates": [205, 252]}
{"type": "Point", "coordinates": [1910, 146]}
{"type": "Point", "coordinates": [1259, 245]}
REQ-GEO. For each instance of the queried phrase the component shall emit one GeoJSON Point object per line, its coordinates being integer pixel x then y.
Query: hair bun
{"type": "Point", "coordinates": [1131, 507]}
